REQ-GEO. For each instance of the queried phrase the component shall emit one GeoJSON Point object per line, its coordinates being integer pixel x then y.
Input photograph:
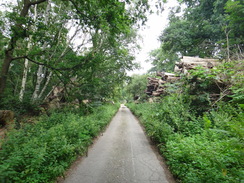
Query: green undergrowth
{"type": "Point", "coordinates": [43, 151]}
{"type": "Point", "coordinates": [203, 149]}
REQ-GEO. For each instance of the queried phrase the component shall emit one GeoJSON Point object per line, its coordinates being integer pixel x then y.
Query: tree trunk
{"type": "Point", "coordinates": [46, 84]}
{"type": "Point", "coordinates": [4, 72]}
{"type": "Point", "coordinates": [227, 43]}
{"type": "Point", "coordinates": [24, 78]}
{"type": "Point", "coordinates": [40, 76]}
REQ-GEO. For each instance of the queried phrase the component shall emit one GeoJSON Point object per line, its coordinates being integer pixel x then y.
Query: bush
{"type": "Point", "coordinates": [40, 152]}
{"type": "Point", "coordinates": [203, 158]}
{"type": "Point", "coordinates": [207, 148]}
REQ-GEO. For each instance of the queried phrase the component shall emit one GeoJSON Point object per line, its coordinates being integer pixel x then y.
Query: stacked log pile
{"type": "Point", "coordinates": [152, 85]}
{"type": "Point", "coordinates": [156, 86]}
{"type": "Point", "coordinates": [189, 63]}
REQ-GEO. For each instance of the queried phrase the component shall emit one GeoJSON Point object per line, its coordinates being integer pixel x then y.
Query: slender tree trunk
{"type": "Point", "coordinates": [24, 78]}
{"type": "Point", "coordinates": [49, 93]}
{"type": "Point", "coordinates": [240, 54]}
{"type": "Point", "coordinates": [40, 76]}
{"type": "Point", "coordinates": [228, 44]}
{"type": "Point", "coordinates": [46, 84]}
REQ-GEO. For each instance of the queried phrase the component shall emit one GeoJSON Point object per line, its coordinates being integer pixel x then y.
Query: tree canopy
{"type": "Point", "coordinates": [207, 28]}
{"type": "Point", "coordinates": [85, 46]}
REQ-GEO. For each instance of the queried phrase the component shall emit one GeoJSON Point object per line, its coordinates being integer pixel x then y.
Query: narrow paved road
{"type": "Point", "coordinates": [122, 155]}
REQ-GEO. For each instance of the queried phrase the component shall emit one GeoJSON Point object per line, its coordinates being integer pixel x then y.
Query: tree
{"type": "Point", "coordinates": [235, 27]}
{"type": "Point", "coordinates": [136, 87]}
{"type": "Point", "coordinates": [162, 61]}
{"type": "Point", "coordinates": [46, 39]}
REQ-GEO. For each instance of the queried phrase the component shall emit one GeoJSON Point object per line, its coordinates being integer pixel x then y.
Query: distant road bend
{"type": "Point", "coordinates": [122, 155]}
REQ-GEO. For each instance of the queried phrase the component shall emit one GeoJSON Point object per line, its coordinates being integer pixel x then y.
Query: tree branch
{"type": "Point", "coordinates": [51, 67]}
{"type": "Point", "coordinates": [77, 9]}
{"type": "Point", "coordinates": [37, 2]}
{"type": "Point", "coordinates": [17, 58]}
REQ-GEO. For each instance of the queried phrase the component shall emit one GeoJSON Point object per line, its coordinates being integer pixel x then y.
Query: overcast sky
{"type": "Point", "coordinates": [150, 34]}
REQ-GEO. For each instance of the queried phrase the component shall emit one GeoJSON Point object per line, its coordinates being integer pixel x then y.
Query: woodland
{"type": "Point", "coordinates": [63, 71]}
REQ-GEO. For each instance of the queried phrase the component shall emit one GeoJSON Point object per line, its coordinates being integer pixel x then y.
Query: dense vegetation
{"type": "Point", "coordinates": [206, 148]}
{"type": "Point", "coordinates": [201, 139]}
{"type": "Point", "coordinates": [40, 152]}
{"type": "Point", "coordinates": [135, 88]}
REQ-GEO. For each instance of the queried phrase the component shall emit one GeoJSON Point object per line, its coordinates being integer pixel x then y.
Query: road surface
{"type": "Point", "coordinates": [121, 155]}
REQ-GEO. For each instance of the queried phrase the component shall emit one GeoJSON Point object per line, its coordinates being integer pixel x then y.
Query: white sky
{"type": "Point", "coordinates": [150, 34]}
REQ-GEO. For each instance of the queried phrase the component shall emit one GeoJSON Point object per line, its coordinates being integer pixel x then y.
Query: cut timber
{"type": "Point", "coordinates": [156, 86]}
{"type": "Point", "coordinates": [172, 79]}
{"type": "Point", "coordinates": [56, 97]}
{"type": "Point", "coordinates": [152, 85]}
{"type": "Point", "coordinates": [161, 82]}
{"type": "Point", "coordinates": [197, 59]}
{"type": "Point", "coordinates": [189, 63]}
{"type": "Point", "coordinates": [156, 93]}
{"type": "Point", "coordinates": [168, 77]}
{"type": "Point", "coordinates": [162, 74]}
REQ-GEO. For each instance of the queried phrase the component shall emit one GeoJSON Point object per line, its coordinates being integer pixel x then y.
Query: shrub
{"type": "Point", "coordinates": [203, 158]}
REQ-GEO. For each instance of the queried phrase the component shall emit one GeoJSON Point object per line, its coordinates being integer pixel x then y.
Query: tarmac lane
{"type": "Point", "coordinates": [123, 154]}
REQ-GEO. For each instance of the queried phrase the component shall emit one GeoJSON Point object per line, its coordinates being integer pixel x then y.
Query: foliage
{"type": "Point", "coordinates": [135, 88]}
{"type": "Point", "coordinates": [84, 46]}
{"type": "Point", "coordinates": [40, 152]}
{"type": "Point", "coordinates": [205, 28]}
{"type": "Point", "coordinates": [235, 14]}
{"type": "Point", "coordinates": [20, 108]}
{"type": "Point", "coordinates": [204, 159]}
{"type": "Point", "coordinates": [207, 148]}
{"type": "Point", "coordinates": [204, 88]}
{"type": "Point", "coordinates": [162, 61]}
